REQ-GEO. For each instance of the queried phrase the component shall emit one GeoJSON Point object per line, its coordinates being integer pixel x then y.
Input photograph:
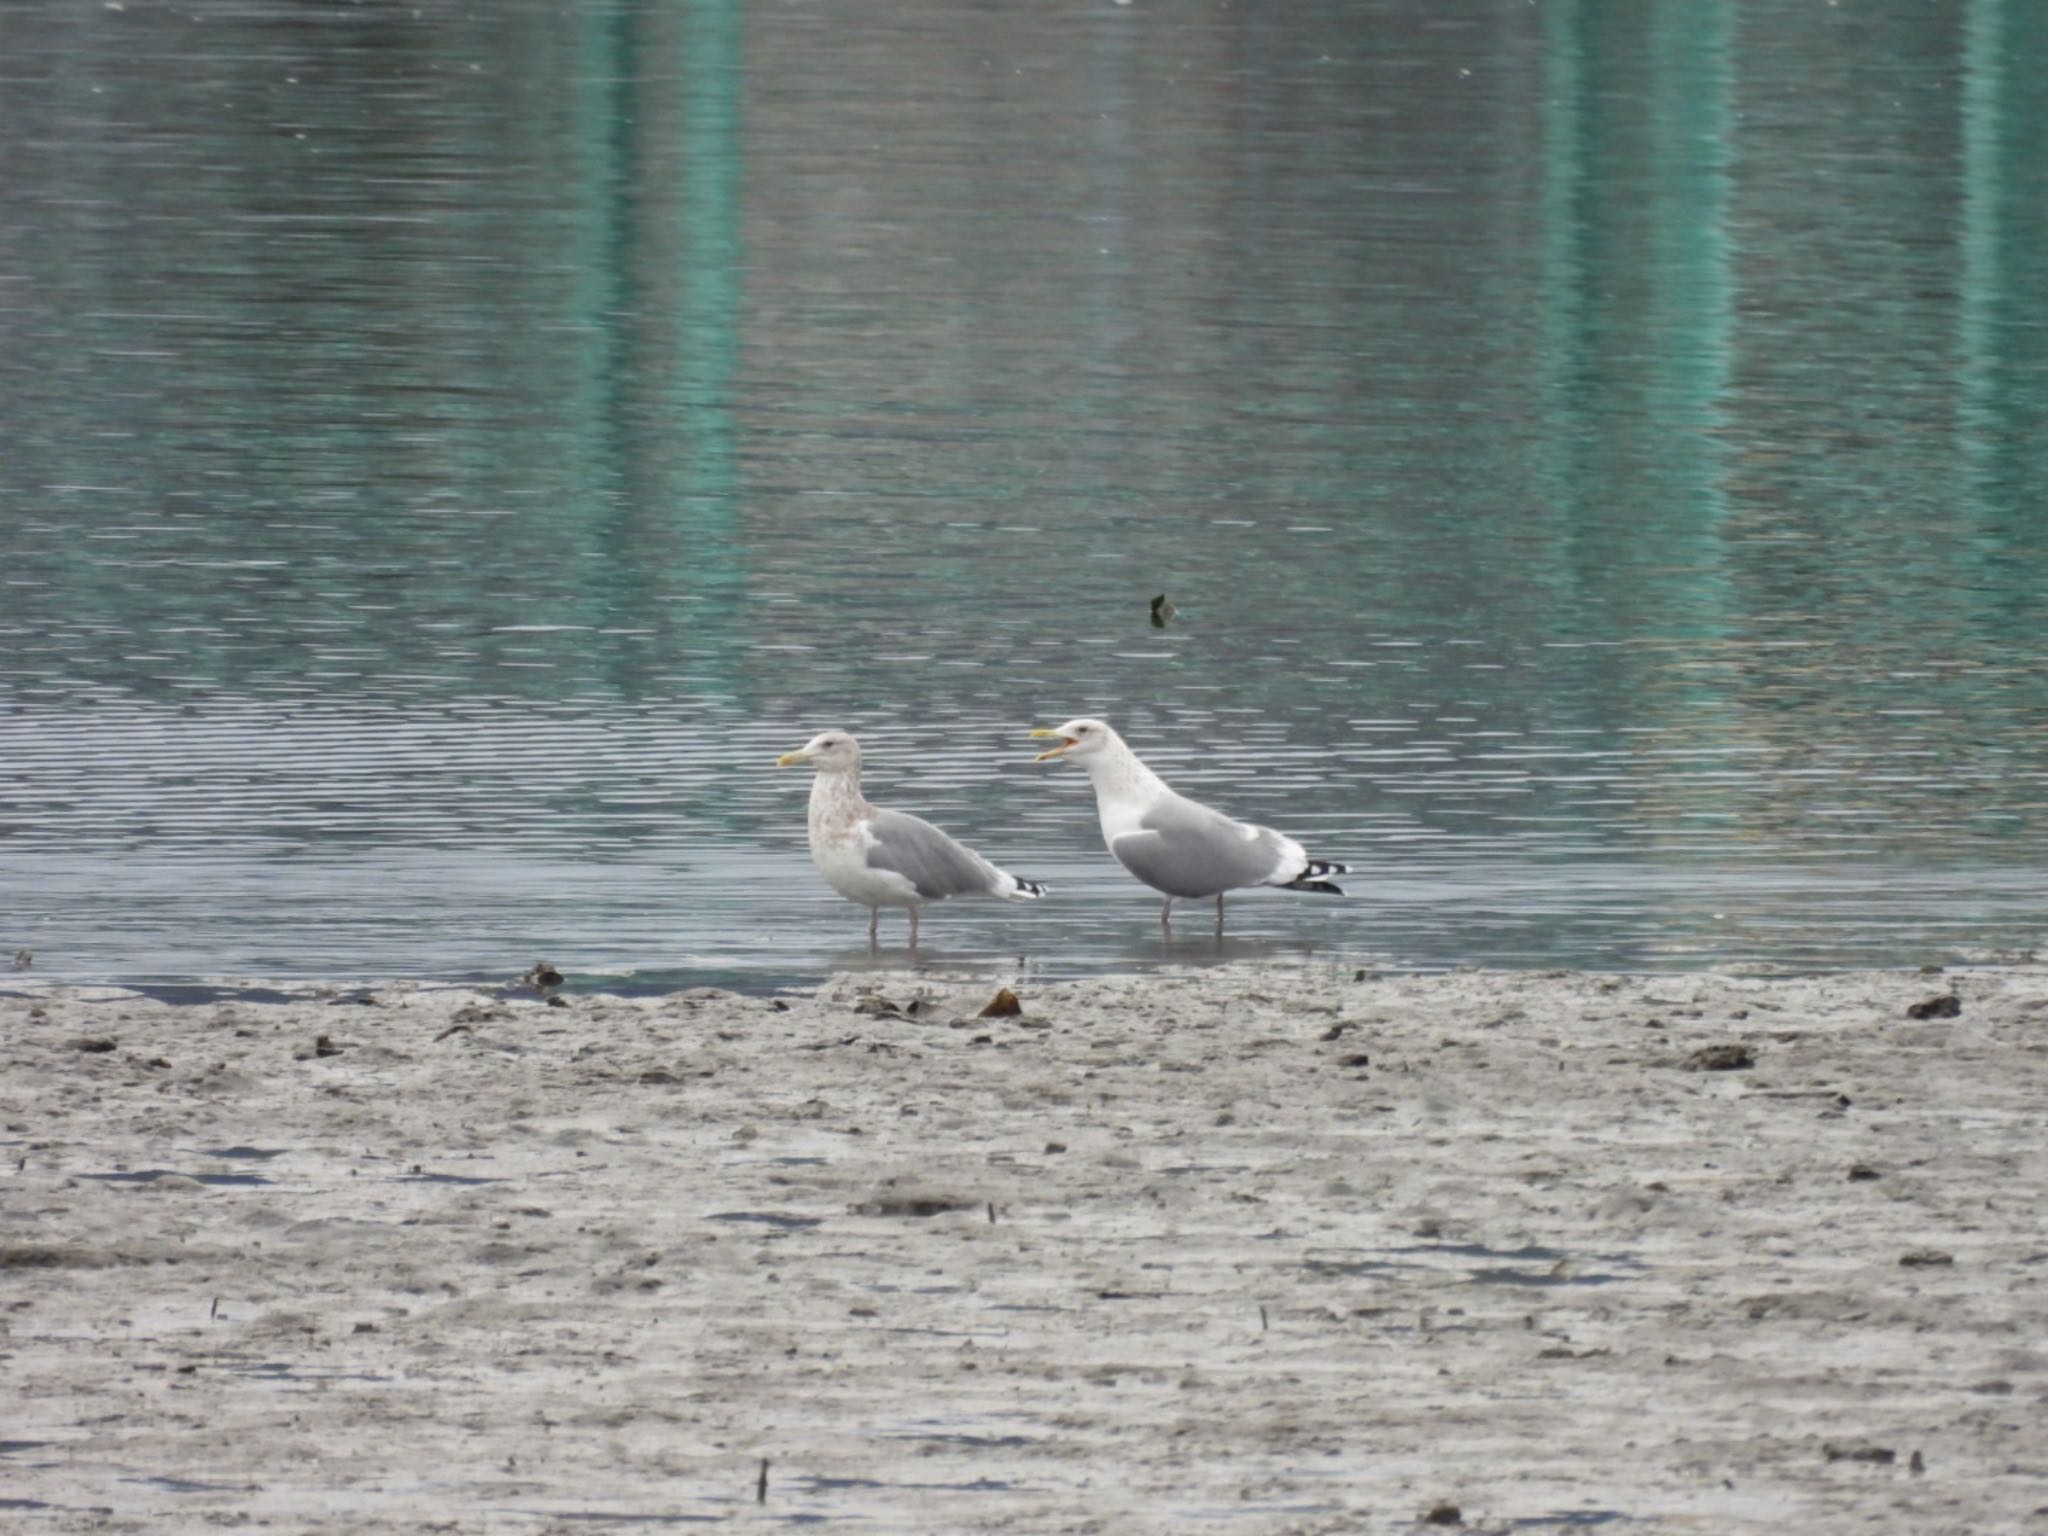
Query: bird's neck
{"type": "Point", "coordinates": [836, 802]}
{"type": "Point", "coordinates": [1118, 775]}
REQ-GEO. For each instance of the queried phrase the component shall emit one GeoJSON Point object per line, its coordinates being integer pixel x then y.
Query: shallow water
{"type": "Point", "coordinates": [1593, 450]}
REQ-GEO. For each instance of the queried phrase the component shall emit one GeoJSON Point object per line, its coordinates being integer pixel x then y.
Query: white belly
{"type": "Point", "coordinates": [843, 861]}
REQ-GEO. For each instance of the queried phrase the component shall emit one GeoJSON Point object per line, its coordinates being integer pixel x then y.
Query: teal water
{"type": "Point", "coordinates": [1595, 450]}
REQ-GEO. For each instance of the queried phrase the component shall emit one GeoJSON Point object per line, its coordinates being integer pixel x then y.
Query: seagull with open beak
{"type": "Point", "coordinates": [1178, 846]}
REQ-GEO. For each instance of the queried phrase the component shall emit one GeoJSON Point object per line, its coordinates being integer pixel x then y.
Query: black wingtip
{"type": "Point", "coordinates": [1030, 889]}
{"type": "Point", "coordinates": [1319, 887]}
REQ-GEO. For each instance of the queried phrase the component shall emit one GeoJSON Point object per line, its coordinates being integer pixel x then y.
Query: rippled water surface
{"type": "Point", "coordinates": [1595, 451]}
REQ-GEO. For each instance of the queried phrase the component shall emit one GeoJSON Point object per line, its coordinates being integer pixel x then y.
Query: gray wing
{"type": "Point", "coordinates": [930, 860]}
{"type": "Point", "coordinates": [1186, 849]}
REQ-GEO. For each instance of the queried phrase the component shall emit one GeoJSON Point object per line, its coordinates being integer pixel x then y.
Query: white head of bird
{"type": "Point", "coordinates": [1081, 739]}
{"type": "Point", "coordinates": [828, 752]}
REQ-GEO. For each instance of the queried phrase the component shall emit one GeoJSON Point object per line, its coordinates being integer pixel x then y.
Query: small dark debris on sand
{"type": "Point", "coordinates": [916, 1205]}
{"type": "Point", "coordinates": [1720, 1058]}
{"type": "Point", "coordinates": [1926, 1258]}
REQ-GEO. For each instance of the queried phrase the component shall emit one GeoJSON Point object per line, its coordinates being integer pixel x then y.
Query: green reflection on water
{"type": "Point", "coordinates": [1637, 345]}
{"type": "Point", "coordinates": [661, 200]}
{"type": "Point", "coordinates": [2003, 313]}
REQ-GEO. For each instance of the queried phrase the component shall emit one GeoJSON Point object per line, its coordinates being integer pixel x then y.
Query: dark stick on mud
{"type": "Point", "coordinates": [761, 1487]}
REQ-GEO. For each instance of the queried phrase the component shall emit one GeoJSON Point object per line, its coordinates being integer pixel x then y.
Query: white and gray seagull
{"type": "Point", "coordinates": [887, 858]}
{"type": "Point", "coordinates": [1176, 845]}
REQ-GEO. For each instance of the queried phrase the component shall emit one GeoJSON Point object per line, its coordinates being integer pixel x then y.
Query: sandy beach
{"type": "Point", "coordinates": [1270, 1249]}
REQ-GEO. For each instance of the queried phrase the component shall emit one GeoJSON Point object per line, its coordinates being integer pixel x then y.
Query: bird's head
{"type": "Point", "coordinates": [828, 751]}
{"type": "Point", "coordinates": [1078, 738]}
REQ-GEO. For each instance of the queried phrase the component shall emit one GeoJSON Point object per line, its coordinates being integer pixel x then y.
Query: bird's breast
{"type": "Point", "coordinates": [1120, 817]}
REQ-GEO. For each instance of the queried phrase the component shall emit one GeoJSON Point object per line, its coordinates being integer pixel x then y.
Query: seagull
{"type": "Point", "coordinates": [1174, 844]}
{"type": "Point", "coordinates": [887, 858]}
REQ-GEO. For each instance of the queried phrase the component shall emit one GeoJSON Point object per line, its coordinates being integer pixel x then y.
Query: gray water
{"type": "Point", "coordinates": [446, 454]}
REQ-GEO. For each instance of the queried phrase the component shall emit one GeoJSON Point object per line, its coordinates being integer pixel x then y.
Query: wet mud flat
{"type": "Point", "coordinates": [1248, 1249]}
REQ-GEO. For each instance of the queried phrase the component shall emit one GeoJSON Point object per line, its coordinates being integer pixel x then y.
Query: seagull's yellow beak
{"type": "Point", "coordinates": [791, 759]}
{"type": "Point", "coordinates": [1058, 751]}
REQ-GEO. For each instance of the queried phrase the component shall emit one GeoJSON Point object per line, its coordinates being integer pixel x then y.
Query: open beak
{"type": "Point", "coordinates": [791, 759]}
{"type": "Point", "coordinates": [1059, 751]}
